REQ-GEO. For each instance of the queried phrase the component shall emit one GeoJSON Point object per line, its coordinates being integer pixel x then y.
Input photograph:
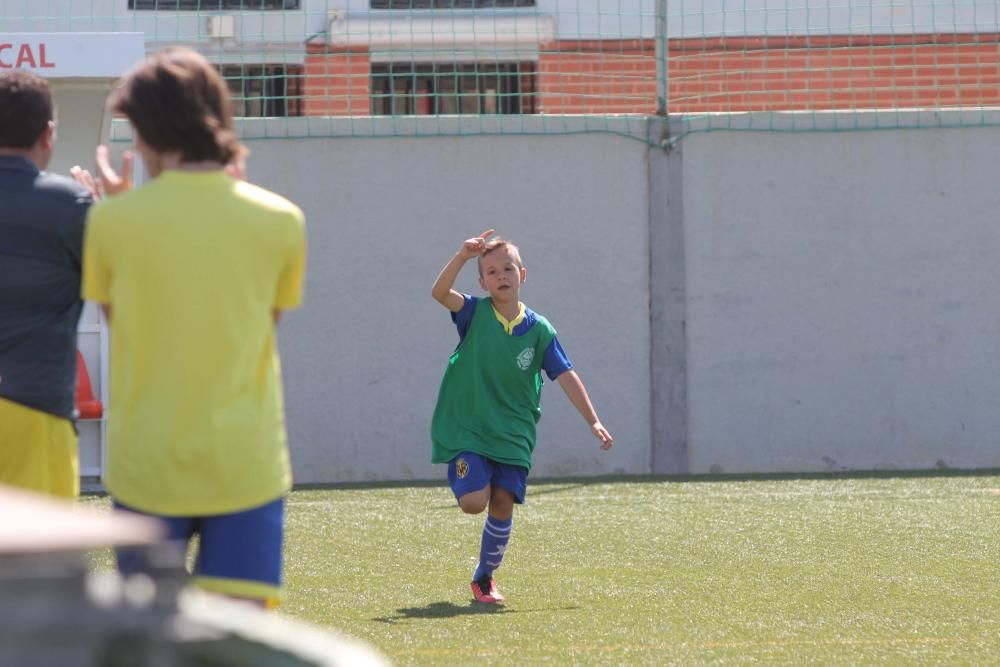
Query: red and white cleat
{"type": "Point", "coordinates": [485, 590]}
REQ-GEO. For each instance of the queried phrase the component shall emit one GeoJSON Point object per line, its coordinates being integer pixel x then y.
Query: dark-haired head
{"type": "Point", "coordinates": [26, 110]}
{"type": "Point", "coordinates": [178, 103]}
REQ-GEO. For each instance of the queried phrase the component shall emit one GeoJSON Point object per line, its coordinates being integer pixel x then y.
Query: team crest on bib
{"type": "Point", "coordinates": [461, 467]}
{"type": "Point", "coordinates": [525, 358]}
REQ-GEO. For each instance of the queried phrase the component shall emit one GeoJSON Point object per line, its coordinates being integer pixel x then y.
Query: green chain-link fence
{"type": "Point", "coordinates": [431, 67]}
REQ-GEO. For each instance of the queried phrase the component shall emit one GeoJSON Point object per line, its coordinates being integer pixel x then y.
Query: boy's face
{"type": "Point", "coordinates": [502, 274]}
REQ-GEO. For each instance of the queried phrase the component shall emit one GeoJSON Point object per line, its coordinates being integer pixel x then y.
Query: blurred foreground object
{"type": "Point", "coordinates": [55, 613]}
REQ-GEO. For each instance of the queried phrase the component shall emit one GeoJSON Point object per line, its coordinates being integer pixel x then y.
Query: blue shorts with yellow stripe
{"type": "Point", "coordinates": [239, 554]}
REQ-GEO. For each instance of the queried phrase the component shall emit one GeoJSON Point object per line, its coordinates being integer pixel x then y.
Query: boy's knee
{"type": "Point", "coordinates": [501, 503]}
{"type": "Point", "coordinates": [474, 503]}
{"type": "Point", "coordinates": [472, 507]}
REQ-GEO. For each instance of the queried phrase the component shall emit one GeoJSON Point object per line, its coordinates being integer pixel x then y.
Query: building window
{"type": "Point", "coordinates": [260, 91]}
{"type": "Point", "coordinates": [449, 4]}
{"type": "Point", "coordinates": [444, 89]}
{"type": "Point", "coordinates": [213, 5]}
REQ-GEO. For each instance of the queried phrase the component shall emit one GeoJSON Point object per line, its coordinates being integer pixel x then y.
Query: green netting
{"type": "Point", "coordinates": [442, 67]}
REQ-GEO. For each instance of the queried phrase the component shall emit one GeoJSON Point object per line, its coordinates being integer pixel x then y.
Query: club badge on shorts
{"type": "Point", "coordinates": [461, 467]}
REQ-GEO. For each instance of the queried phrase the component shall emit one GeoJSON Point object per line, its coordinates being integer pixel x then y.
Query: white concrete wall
{"type": "Point", "coordinates": [841, 300]}
{"type": "Point", "coordinates": [363, 359]}
{"type": "Point", "coordinates": [819, 301]}
{"type": "Point", "coordinates": [748, 302]}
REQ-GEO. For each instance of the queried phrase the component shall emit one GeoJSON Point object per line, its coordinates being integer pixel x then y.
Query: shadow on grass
{"type": "Point", "coordinates": [531, 493]}
{"type": "Point", "coordinates": [452, 610]}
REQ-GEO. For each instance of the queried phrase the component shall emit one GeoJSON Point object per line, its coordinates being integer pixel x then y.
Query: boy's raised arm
{"type": "Point", "coordinates": [577, 393]}
{"type": "Point", "coordinates": [442, 290]}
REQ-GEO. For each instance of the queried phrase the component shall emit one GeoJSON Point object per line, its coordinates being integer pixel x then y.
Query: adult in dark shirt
{"type": "Point", "coordinates": [41, 237]}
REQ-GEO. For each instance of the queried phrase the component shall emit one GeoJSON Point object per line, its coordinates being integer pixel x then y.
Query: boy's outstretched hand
{"type": "Point", "coordinates": [602, 434]}
{"type": "Point", "coordinates": [475, 247]}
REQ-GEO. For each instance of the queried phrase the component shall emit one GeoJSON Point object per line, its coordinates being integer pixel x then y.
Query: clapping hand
{"type": "Point", "coordinates": [109, 182]}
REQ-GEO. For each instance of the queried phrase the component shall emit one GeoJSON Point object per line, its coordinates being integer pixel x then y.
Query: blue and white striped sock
{"type": "Point", "coordinates": [496, 534]}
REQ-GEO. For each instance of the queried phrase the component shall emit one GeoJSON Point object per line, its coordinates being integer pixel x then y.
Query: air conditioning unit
{"type": "Point", "coordinates": [221, 26]}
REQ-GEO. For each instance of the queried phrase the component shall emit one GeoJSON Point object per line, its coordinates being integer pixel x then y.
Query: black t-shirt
{"type": "Point", "coordinates": [41, 241]}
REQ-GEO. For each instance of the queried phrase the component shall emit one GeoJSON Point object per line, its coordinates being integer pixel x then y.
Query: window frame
{"type": "Point", "coordinates": [213, 5]}
{"type": "Point", "coordinates": [433, 5]}
{"type": "Point", "coordinates": [453, 88]}
{"type": "Point", "coordinates": [290, 99]}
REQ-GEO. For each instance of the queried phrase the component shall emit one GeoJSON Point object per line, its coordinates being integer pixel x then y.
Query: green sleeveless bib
{"type": "Point", "coordinates": [490, 397]}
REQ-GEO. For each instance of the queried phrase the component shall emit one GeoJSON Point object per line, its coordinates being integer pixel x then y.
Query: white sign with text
{"type": "Point", "coordinates": [60, 55]}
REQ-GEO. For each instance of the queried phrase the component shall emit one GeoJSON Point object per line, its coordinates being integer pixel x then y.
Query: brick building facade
{"type": "Point", "coordinates": [714, 75]}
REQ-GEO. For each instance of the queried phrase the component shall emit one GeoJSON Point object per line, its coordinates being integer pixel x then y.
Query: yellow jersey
{"type": "Point", "coordinates": [192, 265]}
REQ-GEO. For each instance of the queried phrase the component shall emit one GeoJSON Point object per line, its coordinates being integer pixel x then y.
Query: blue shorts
{"type": "Point", "coordinates": [470, 472]}
{"type": "Point", "coordinates": [239, 554]}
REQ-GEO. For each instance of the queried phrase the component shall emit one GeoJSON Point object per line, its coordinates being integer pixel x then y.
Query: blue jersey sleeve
{"type": "Point", "coordinates": [463, 318]}
{"type": "Point", "coordinates": [555, 362]}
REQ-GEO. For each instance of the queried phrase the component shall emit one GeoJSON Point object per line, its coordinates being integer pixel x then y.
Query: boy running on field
{"type": "Point", "coordinates": [489, 402]}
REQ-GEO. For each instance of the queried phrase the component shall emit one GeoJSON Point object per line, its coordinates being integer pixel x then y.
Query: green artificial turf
{"type": "Point", "coordinates": [846, 570]}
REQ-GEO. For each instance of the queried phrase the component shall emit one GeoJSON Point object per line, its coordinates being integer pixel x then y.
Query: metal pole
{"type": "Point", "coordinates": [661, 57]}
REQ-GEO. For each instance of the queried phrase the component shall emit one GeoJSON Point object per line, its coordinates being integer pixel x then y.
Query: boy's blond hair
{"type": "Point", "coordinates": [497, 243]}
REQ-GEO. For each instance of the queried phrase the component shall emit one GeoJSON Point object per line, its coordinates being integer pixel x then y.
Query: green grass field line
{"type": "Point", "coordinates": [827, 570]}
